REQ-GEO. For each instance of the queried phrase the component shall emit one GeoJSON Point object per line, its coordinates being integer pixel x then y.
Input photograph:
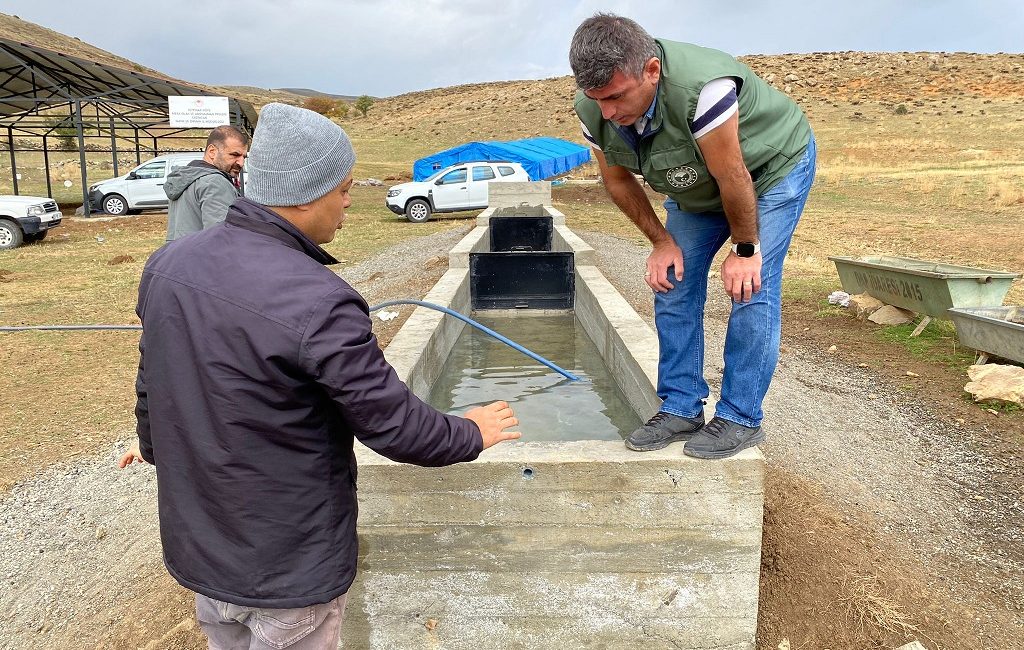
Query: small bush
{"type": "Point", "coordinates": [363, 104]}
{"type": "Point", "coordinates": [326, 106]}
{"type": "Point", "coordinates": [1005, 194]}
{"type": "Point", "coordinates": [901, 109]}
{"type": "Point", "coordinates": [322, 105]}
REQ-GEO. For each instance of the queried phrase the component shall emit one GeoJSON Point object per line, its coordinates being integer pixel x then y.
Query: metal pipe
{"type": "Point", "coordinates": [113, 147]}
{"type": "Point", "coordinates": [14, 165]}
{"type": "Point", "coordinates": [46, 165]}
{"type": "Point", "coordinates": [86, 208]}
{"type": "Point", "coordinates": [390, 303]}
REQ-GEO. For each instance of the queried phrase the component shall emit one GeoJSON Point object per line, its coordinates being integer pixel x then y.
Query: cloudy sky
{"type": "Point", "coordinates": [388, 47]}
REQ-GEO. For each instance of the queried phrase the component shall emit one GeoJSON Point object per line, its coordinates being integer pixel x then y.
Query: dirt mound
{"type": "Point", "coordinates": [821, 586]}
{"type": "Point", "coordinates": [120, 259]}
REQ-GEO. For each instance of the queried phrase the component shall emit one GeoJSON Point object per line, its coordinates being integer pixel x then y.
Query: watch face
{"type": "Point", "coordinates": [745, 249]}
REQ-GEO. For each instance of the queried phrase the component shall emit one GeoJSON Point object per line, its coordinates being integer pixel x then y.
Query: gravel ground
{"type": "Point", "coordinates": [73, 539]}
{"type": "Point", "coordinates": [389, 274]}
{"type": "Point", "coordinates": [77, 536]}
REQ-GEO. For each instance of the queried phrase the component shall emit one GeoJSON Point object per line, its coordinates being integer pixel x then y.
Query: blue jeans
{"type": "Point", "coordinates": [754, 331]}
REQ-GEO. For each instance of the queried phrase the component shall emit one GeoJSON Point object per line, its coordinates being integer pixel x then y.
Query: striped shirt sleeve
{"type": "Point", "coordinates": [588, 137]}
{"type": "Point", "coordinates": [716, 104]}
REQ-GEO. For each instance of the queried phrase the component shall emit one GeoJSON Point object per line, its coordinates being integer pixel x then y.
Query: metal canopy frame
{"type": "Point", "coordinates": [45, 94]}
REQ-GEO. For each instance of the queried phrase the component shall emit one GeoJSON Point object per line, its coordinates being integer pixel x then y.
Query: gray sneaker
{"type": "Point", "coordinates": [721, 438]}
{"type": "Point", "coordinates": [662, 430]}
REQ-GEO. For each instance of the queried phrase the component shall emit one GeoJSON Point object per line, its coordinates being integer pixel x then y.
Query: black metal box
{"type": "Point", "coordinates": [535, 280]}
{"type": "Point", "coordinates": [521, 233]}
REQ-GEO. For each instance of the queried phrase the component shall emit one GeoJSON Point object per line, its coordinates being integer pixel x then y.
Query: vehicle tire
{"type": "Point", "coordinates": [115, 204]}
{"type": "Point", "coordinates": [10, 235]}
{"type": "Point", "coordinates": [39, 236]}
{"type": "Point", "coordinates": [417, 211]}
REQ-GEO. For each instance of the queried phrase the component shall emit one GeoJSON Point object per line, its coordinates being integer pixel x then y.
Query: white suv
{"type": "Point", "coordinates": [452, 189]}
{"type": "Point", "coordinates": [140, 189]}
{"type": "Point", "coordinates": [26, 219]}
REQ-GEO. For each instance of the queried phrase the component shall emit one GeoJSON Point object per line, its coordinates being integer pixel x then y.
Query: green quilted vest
{"type": "Point", "coordinates": [773, 130]}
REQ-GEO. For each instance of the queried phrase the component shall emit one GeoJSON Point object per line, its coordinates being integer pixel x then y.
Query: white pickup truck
{"type": "Point", "coordinates": [26, 219]}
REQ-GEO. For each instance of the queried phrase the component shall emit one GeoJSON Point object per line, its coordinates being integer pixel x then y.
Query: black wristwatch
{"type": "Point", "coordinates": [746, 248]}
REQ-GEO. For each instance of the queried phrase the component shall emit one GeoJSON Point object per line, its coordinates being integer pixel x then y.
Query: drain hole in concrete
{"type": "Point", "coordinates": [528, 473]}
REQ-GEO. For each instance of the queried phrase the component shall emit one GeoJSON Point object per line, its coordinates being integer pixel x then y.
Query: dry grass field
{"type": "Point", "coordinates": [921, 155]}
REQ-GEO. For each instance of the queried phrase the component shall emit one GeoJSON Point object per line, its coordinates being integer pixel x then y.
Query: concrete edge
{"type": "Point", "coordinates": [513, 194]}
{"type": "Point", "coordinates": [417, 352]}
{"type": "Point", "coordinates": [527, 454]}
{"type": "Point", "coordinates": [565, 240]}
{"type": "Point", "coordinates": [474, 242]}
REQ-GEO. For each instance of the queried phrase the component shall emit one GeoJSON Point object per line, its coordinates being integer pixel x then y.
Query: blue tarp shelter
{"type": "Point", "coordinates": [542, 158]}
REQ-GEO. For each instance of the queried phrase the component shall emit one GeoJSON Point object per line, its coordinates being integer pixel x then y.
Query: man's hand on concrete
{"type": "Point", "coordinates": [493, 419]}
{"type": "Point", "coordinates": [665, 255]}
{"type": "Point", "coordinates": [741, 276]}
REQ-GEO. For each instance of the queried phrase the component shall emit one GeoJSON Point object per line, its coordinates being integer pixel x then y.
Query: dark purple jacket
{"type": "Point", "coordinates": [257, 367]}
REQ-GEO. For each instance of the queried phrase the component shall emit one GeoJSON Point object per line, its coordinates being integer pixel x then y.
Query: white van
{"type": "Point", "coordinates": [140, 189]}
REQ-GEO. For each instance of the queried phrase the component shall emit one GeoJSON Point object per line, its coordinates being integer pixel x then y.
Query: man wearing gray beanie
{"type": "Point", "coordinates": [257, 370]}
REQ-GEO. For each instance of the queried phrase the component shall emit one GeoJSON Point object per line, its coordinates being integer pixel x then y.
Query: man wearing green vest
{"type": "Point", "coordinates": [735, 159]}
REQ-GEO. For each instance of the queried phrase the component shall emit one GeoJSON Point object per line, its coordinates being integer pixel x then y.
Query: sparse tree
{"type": "Point", "coordinates": [67, 134]}
{"type": "Point", "coordinates": [363, 104]}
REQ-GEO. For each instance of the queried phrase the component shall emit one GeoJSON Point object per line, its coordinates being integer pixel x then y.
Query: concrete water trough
{"type": "Point", "coordinates": [996, 331]}
{"type": "Point", "coordinates": [577, 543]}
{"type": "Point", "coordinates": [928, 288]}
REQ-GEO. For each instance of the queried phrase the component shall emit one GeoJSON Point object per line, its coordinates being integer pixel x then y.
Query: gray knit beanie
{"type": "Point", "coordinates": [297, 156]}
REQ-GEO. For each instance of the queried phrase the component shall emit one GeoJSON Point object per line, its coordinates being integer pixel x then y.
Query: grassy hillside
{"type": "Point", "coordinates": [932, 103]}
{"type": "Point", "coordinates": [916, 150]}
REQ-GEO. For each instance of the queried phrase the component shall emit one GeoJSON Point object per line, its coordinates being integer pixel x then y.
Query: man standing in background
{"type": "Point", "coordinates": [199, 193]}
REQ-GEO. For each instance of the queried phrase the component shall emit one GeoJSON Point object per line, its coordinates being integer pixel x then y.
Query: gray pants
{"type": "Point", "coordinates": [233, 627]}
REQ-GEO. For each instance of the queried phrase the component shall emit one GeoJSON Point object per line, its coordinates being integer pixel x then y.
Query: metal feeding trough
{"type": "Point", "coordinates": [925, 287]}
{"type": "Point", "coordinates": [995, 331]}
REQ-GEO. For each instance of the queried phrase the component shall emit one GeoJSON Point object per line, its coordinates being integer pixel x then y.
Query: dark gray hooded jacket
{"type": "Point", "coordinates": [199, 196]}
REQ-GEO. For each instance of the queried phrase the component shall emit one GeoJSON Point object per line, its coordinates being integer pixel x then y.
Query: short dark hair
{"type": "Point", "coordinates": [605, 43]}
{"type": "Point", "coordinates": [220, 135]}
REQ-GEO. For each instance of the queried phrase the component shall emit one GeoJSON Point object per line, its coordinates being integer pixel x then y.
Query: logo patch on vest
{"type": "Point", "coordinates": [681, 176]}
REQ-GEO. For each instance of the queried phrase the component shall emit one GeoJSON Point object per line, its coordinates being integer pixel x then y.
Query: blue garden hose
{"type": "Point", "coordinates": [389, 303]}
{"type": "Point", "coordinates": [483, 328]}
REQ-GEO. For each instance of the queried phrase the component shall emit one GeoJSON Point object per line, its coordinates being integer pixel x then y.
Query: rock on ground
{"type": "Point", "coordinates": [995, 382]}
